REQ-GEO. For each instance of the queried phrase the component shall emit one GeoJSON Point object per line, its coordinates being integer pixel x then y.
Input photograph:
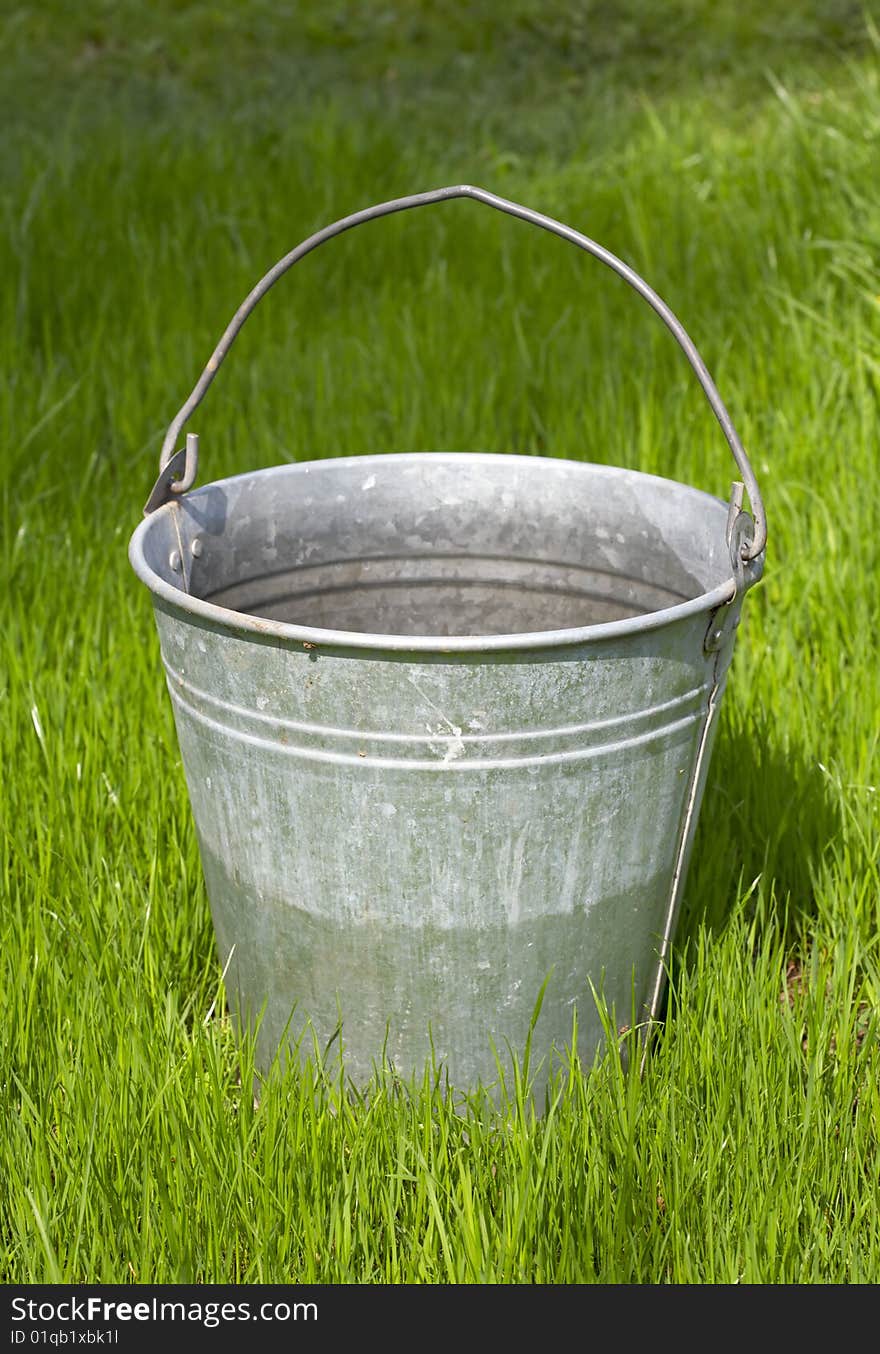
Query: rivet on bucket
{"type": "Point", "coordinates": [445, 721]}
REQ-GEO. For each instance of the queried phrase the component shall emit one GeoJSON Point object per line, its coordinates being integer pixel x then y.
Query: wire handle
{"type": "Point", "coordinates": [171, 481]}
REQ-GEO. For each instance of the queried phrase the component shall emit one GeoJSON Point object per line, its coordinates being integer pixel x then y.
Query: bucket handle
{"type": "Point", "coordinates": [177, 470]}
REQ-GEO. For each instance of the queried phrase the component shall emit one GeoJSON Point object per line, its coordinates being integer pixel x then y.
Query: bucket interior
{"type": "Point", "coordinates": [443, 545]}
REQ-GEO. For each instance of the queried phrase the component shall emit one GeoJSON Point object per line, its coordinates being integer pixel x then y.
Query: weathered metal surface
{"type": "Point", "coordinates": [409, 819]}
{"type": "Point", "coordinates": [446, 722]}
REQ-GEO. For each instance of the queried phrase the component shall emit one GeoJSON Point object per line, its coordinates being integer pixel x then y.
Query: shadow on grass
{"type": "Point", "coordinates": [768, 815]}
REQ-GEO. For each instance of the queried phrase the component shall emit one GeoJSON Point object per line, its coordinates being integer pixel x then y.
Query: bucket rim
{"type": "Point", "coordinates": [244, 622]}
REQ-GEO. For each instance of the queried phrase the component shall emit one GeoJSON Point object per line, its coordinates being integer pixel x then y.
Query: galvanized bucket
{"type": "Point", "coordinates": [445, 722]}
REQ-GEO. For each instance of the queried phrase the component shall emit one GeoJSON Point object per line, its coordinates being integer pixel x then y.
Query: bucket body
{"type": "Point", "coordinates": [445, 722]}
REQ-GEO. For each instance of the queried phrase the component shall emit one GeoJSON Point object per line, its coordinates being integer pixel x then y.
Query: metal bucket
{"type": "Point", "coordinates": [445, 722]}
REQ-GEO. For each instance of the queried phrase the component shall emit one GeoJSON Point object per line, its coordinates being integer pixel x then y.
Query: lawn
{"type": "Point", "coordinates": [155, 161]}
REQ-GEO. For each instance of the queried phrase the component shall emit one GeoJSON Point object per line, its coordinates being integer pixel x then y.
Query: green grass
{"type": "Point", "coordinates": [155, 161]}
